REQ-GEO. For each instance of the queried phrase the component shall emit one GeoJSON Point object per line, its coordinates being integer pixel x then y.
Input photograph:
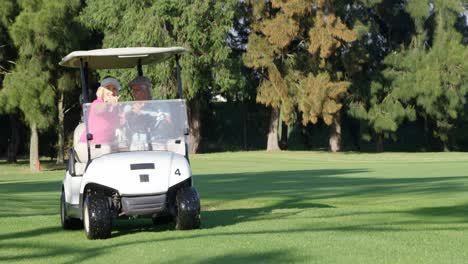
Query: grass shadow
{"type": "Point", "coordinates": [276, 190]}
{"type": "Point", "coordinates": [442, 213]}
{"type": "Point", "coordinates": [30, 187]}
{"type": "Point", "coordinates": [123, 227]}
{"type": "Point", "coordinates": [217, 218]}
{"type": "Point", "coordinates": [46, 164]}
{"type": "Point", "coordinates": [299, 189]}
{"type": "Point", "coordinates": [30, 233]}
{"type": "Point", "coordinates": [271, 256]}
{"type": "Point", "coordinates": [18, 163]}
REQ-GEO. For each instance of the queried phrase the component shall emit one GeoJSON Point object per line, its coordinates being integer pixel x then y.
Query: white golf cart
{"type": "Point", "coordinates": [141, 166]}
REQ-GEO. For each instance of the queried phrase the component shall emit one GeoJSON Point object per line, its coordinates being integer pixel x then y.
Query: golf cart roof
{"type": "Point", "coordinates": [115, 58]}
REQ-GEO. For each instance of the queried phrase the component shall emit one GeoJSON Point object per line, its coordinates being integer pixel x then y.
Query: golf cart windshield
{"type": "Point", "coordinates": [135, 125]}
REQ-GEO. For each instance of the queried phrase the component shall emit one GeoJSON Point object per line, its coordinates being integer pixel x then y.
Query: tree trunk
{"type": "Point", "coordinates": [34, 149]}
{"type": "Point", "coordinates": [195, 125]}
{"type": "Point", "coordinates": [13, 142]}
{"type": "Point", "coordinates": [445, 145]}
{"type": "Point", "coordinates": [60, 131]}
{"type": "Point", "coordinates": [355, 131]}
{"type": "Point", "coordinates": [335, 133]}
{"type": "Point", "coordinates": [284, 136]}
{"type": "Point", "coordinates": [244, 124]}
{"type": "Point", "coordinates": [272, 143]}
{"type": "Point", "coordinates": [379, 142]}
{"type": "Point", "coordinates": [427, 135]}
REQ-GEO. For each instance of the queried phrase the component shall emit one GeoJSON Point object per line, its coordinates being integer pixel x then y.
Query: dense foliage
{"type": "Point", "coordinates": [199, 26]}
{"type": "Point", "coordinates": [378, 65]}
{"type": "Point", "coordinates": [41, 33]}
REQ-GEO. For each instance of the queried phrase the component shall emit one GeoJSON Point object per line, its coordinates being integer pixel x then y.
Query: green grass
{"type": "Point", "coordinates": [266, 207]}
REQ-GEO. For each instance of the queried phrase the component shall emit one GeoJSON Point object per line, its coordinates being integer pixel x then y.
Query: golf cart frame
{"type": "Point", "coordinates": [101, 199]}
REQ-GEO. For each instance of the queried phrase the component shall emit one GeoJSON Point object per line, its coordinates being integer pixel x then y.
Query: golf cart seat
{"type": "Point", "coordinates": [81, 149]}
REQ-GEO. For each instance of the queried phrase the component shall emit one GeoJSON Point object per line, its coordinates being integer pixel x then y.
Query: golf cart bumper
{"type": "Point", "coordinates": [143, 205]}
{"type": "Point", "coordinates": [137, 173]}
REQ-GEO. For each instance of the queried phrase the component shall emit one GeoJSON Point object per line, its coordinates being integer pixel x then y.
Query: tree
{"type": "Point", "coordinates": [383, 27]}
{"type": "Point", "coordinates": [66, 87]}
{"type": "Point", "coordinates": [7, 14]}
{"type": "Point", "coordinates": [432, 73]}
{"type": "Point", "coordinates": [291, 46]}
{"type": "Point", "coordinates": [7, 55]}
{"type": "Point", "coordinates": [244, 93]}
{"type": "Point", "coordinates": [43, 32]}
{"type": "Point", "coordinates": [200, 26]}
{"type": "Point", "coordinates": [424, 69]}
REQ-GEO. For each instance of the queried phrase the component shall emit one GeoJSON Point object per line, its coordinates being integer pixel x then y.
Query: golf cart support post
{"type": "Point", "coordinates": [84, 96]}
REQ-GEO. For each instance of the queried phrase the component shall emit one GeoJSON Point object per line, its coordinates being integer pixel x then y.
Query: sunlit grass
{"type": "Point", "coordinates": [279, 207]}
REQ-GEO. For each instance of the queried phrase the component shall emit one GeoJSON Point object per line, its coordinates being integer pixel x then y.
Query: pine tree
{"type": "Point", "coordinates": [7, 55]}
{"type": "Point", "coordinates": [291, 46]}
{"type": "Point", "coordinates": [43, 32]}
{"type": "Point", "coordinates": [200, 26]}
{"type": "Point", "coordinates": [432, 73]}
{"type": "Point", "coordinates": [383, 28]}
{"type": "Point", "coordinates": [8, 12]}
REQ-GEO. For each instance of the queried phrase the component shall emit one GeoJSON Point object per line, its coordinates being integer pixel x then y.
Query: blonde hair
{"type": "Point", "coordinates": [100, 91]}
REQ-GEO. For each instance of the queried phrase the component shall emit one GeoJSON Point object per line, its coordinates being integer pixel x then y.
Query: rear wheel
{"type": "Point", "coordinates": [68, 222]}
{"type": "Point", "coordinates": [97, 217]}
{"type": "Point", "coordinates": [188, 209]}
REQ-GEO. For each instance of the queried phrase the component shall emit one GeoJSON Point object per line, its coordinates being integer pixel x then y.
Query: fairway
{"type": "Point", "coordinates": [278, 207]}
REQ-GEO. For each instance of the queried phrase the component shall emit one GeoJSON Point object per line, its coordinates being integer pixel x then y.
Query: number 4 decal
{"type": "Point", "coordinates": [177, 172]}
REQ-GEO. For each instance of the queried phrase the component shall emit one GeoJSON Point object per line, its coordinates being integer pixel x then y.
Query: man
{"type": "Point", "coordinates": [146, 121]}
{"type": "Point", "coordinates": [141, 91]}
{"type": "Point", "coordinates": [141, 88]}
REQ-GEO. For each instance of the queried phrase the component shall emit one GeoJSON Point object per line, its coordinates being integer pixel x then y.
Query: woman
{"type": "Point", "coordinates": [102, 117]}
{"type": "Point", "coordinates": [111, 84]}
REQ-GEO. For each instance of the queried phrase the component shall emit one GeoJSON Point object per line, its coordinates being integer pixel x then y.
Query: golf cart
{"type": "Point", "coordinates": [144, 169]}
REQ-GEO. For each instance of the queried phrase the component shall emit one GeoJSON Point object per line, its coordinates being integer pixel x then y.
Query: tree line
{"type": "Point", "coordinates": [382, 63]}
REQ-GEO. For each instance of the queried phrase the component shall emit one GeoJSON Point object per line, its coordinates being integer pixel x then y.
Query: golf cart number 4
{"type": "Point", "coordinates": [177, 172]}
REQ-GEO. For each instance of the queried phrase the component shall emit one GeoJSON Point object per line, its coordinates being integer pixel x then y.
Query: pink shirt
{"type": "Point", "coordinates": [101, 125]}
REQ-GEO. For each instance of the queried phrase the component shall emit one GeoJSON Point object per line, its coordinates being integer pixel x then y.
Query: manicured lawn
{"type": "Point", "coordinates": [279, 207]}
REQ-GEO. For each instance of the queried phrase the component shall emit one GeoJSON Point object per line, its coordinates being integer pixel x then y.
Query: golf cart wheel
{"type": "Point", "coordinates": [188, 209]}
{"type": "Point", "coordinates": [68, 222]}
{"type": "Point", "coordinates": [97, 217]}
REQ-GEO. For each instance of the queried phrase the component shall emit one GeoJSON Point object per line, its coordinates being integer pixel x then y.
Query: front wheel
{"type": "Point", "coordinates": [97, 217]}
{"type": "Point", "coordinates": [188, 209]}
{"type": "Point", "coordinates": [66, 221]}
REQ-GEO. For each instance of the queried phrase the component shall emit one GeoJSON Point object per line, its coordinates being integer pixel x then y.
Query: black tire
{"type": "Point", "coordinates": [97, 218]}
{"type": "Point", "coordinates": [68, 223]}
{"type": "Point", "coordinates": [188, 209]}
